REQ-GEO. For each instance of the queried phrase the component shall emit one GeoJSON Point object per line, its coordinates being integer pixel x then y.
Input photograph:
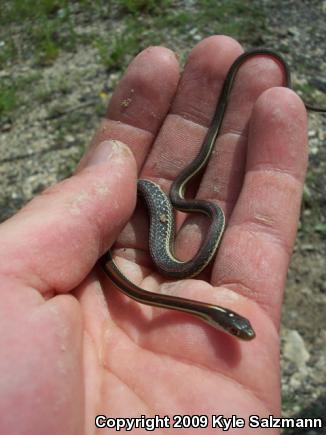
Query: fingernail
{"type": "Point", "coordinates": [108, 150]}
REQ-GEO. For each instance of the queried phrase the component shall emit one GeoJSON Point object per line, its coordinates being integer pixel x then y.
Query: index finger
{"type": "Point", "coordinates": [140, 103]}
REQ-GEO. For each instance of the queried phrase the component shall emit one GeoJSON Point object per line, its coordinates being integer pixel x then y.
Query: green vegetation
{"type": "Point", "coordinates": [8, 100]}
{"type": "Point", "coordinates": [10, 88]}
{"type": "Point", "coordinates": [120, 48]}
{"type": "Point", "coordinates": [149, 6]}
{"type": "Point", "coordinates": [41, 29]}
{"type": "Point", "coordinates": [38, 31]}
{"type": "Point", "coordinates": [310, 95]}
{"type": "Point", "coordinates": [313, 217]}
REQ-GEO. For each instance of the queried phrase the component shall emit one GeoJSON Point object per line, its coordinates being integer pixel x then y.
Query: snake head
{"type": "Point", "coordinates": [241, 328]}
{"type": "Point", "coordinates": [230, 322]}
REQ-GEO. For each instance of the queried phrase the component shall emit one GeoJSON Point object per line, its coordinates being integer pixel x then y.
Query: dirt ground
{"type": "Point", "coordinates": [41, 143]}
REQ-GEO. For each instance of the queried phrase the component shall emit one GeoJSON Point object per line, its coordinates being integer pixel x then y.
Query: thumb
{"type": "Point", "coordinates": [54, 241]}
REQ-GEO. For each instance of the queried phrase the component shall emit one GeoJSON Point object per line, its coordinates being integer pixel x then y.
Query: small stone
{"type": "Point", "coordinates": [312, 133]}
{"type": "Point", "coordinates": [307, 247]}
{"type": "Point", "coordinates": [306, 291]}
{"type": "Point", "coordinates": [294, 31]}
{"type": "Point", "coordinates": [295, 349]}
{"type": "Point", "coordinates": [6, 127]}
{"type": "Point", "coordinates": [323, 287]}
{"type": "Point", "coordinates": [295, 383]}
{"type": "Point", "coordinates": [313, 150]}
{"type": "Point", "coordinates": [69, 138]}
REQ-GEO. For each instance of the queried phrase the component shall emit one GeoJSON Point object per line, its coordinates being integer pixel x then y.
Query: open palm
{"type": "Point", "coordinates": [73, 346]}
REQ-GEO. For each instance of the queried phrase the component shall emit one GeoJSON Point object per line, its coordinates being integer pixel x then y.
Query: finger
{"type": "Point", "coordinates": [41, 360]}
{"type": "Point", "coordinates": [223, 177]}
{"type": "Point", "coordinates": [191, 115]}
{"type": "Point", "coordinates": [183, 131]}
{"type": "Point", "coordinates": [257, 245]}
{"type": "Point", "coordinates": [185, 126]}
{"type": "Point", "coordinates": [56, 239]}
{"type": "Point", "coordinates": [140, 102]}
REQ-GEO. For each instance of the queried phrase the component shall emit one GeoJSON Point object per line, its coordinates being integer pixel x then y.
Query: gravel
{"type": "Point", "coordinates": [42, 143]}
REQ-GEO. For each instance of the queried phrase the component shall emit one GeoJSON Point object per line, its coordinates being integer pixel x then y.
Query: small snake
{"type": "Point", "coordinates": [161, 235]}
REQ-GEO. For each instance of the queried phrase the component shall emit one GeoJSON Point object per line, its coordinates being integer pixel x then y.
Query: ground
{"type": "Point", "coordinates": [59, 66]}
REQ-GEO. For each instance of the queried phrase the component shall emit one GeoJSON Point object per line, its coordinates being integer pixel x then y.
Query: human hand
{"type": "Point", "coordinates": [72, 345]}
